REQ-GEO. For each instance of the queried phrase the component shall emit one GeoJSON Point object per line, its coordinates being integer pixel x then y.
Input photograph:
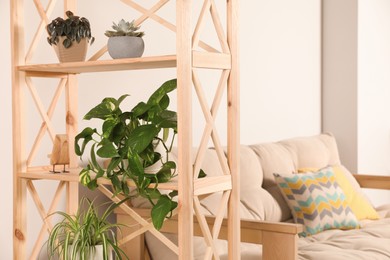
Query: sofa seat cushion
{"type": "Point", "coordinates": [370, 242]}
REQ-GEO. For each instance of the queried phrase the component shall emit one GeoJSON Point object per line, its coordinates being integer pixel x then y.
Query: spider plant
{"type": "Point", "coordinates": [77, 236]}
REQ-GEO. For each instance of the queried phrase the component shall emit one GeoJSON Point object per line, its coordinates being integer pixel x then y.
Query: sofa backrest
{"type": "Point", "coordinates": [260, 197]}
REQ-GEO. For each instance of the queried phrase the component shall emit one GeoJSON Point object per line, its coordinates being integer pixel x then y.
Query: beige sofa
{"type": "Point", "coordinates": [267, 219]}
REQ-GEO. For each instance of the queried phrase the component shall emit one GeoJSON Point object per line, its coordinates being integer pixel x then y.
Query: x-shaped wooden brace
{"type": "Point", "coordinates": [45, 115]}
{"type": "Point", "coordinates": [45, 215]}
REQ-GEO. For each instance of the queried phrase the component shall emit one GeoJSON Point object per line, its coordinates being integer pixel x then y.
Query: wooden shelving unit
{"type": "Point", "coordinates": [186, 59]}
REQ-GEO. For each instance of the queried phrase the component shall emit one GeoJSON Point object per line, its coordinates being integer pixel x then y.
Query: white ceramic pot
{"type": "Point", "coordinates": [120, 47]}
{"type": "Point", "coordinates": [76, 52]}
{"type": "Point", "coordinates": [98, 253]}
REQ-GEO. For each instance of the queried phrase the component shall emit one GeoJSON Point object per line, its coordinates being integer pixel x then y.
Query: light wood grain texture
{"type": "Point", "coordinates": [184, 114]}
{"type": "Point", "coordinates": [99, 53]}
{"type": "Point", "coordinates": [212, 184]}
{"type": "Point", "coordinates": [70, 5]}
{"type": "Point", "coordinates": [200, 24]}
{"type": "Point", "coordinates": [41, 27]}
{"type": "Point", "coordinates": [38, 74]}
{"type": "Point", "coordinates": [40, 107]}
{"type": "Point", "coordinates": [156, 62]}
{"type": "Point", "coordinates": [373, 181]}
{"type": "Point", "coordinates": [133, 214]}
{"type": "Point", "coordinates": [211, 249]}
{"type": "Point", "coordinates": [233, 130]}
{"type": "Point", "coordinates": [18, 126]}
{"type": "Point", "coordinates": [45, 229]}
{"type": "Point", "coordinates": [251, 230]}
{"type": "Point", "coordinates": [210, 128]}
{"type": "Point", "coordinates": [185, 60]}
{"type": "Point", "coordinates": [165, 23]}
{"type": "Point", "coordinates": [60, 152]}
{"type": "Point", "coordinates": [211, 60]}
{"type": "Point", "coordinates": [279, 246]}
{"type": "Point", "coordinates": [219, 28]}
{"type": "Point", "coordinates": [71, 108]}
{"type": "Point", "coordinates": [136, 245]}
{"type": "Point", "coordinates": [150, 12]}
{"type": "Point", "coordinates": [43, 127]}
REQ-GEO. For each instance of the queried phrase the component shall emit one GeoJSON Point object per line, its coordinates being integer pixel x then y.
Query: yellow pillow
{"type": "Point", "coordinates": [360, 206]}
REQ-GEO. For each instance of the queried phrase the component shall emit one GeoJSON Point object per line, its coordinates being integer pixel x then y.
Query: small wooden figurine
{"type": "Point", "coordinates": [60, 153]}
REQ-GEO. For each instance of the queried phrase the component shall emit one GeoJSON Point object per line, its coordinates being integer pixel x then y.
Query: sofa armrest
{"type": "Point", "coordinates": [373, 181]}
{"type": "Point", "coordinates": [279, 240]}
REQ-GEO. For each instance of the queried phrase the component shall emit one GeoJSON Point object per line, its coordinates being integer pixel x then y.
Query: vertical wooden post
{"type": "Point", "coordinates": [70, 5]}
{"type": "Point", "coordinates": [71, 130]}
{"type": "Point", "coordinates": [233, 131]}
{"type": "Point", "coordinates": [18, 126]}
{"type": "Point", "coordinates": [72, 189]}
{"type": "Point", "coordinates": [184, 87]}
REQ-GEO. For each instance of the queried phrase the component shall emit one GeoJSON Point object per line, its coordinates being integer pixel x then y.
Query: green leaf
{"type": "Point", "coordinates": [166, 119]}
{"type": "Point", "coordinates": [202, 174]}
{"type": "Point", "coordinates": [113, 164]}
{"type": "Point", "coordinates": [164, 175]}
{"type": "Point", "coordinates": [165, 88]}
{"type": "Point", "coordinates": [160, 211]}
{"type": "Point", "coordinates": [94, 162]}
{"type": "Point", "coordinates": [67, 43]}
{"type": "Point", "coordinates": [164, 102]}
{"type": "Point", "coordinates": [118, 132]}
{"type": "Point", "coordinates": [107, 149]}
{"type": "Point", "coordinates": [121, 98]}
{"type": "Point", "coordinates": [86, 134]}
{"type": "Point", "coordinates": [116, 183]}
{"type": "Point", "coordinates": [141, 137]}
{"type": "Point", "coordinates": [173, 193]}
{"type": "Point", "coordinates": [135, 164]}
{"type": "Point", "coordinates": [140, 109]}
{"type": "Point", "coordinates": [153, 193]}
{"type": "Point", "coordinates": [92, 185]}
{"type": "Point", "coordinates": [84, 177]}
{"type": "Point", "coordinates": [108, 127]}
{"type": "Point", "coordinates": [102, 111]}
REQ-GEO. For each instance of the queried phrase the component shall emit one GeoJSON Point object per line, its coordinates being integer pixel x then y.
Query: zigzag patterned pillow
{"type": "Point", "coordinates": [316, 201]}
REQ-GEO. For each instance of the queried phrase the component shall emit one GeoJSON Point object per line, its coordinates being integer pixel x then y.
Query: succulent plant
{"type": "Point", "coordinates": [74, 28]}
{"type": "Point", "coordinates": [124, 28]}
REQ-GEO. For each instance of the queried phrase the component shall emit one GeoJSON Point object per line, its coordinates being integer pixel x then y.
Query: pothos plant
{"type": "Point", "coordinates": [130, 139]}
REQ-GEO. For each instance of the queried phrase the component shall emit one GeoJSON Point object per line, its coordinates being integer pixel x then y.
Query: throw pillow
{"type": "Point", "coordinates": [359, 204]}
{"type": "Point", "coordinates": [316, 201]}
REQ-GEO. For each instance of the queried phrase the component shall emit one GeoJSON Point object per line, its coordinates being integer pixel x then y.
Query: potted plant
{"type": "Point", "coordinates": [85, 235]}
{"type": "Point", "coordinates": [130, 139]}
{"type": "Point", "coordinates": [125, 41]}
{"type": "Point", "coordinates": [70, 37]}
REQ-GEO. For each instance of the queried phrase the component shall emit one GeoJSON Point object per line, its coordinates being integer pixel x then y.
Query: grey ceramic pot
{"type": "Point", "coordinates": [120, 47]}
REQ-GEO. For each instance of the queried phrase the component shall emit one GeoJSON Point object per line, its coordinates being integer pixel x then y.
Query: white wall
{"type": "Point", "coordinates": [374, 90]}
{"type": "Point", "coordinates": [280, 69]}
{"type": "Point", "coordinates": [280, 76]}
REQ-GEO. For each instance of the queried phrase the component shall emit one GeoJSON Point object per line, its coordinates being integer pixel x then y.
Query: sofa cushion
{"type": "Point", "coordinates": [316, 201]}
{"type": "Point", "coordinates": [370, 242]}
{"type": "Point", "coordinates": [354, 195]}
{"type": "Point", "coordinates": [287, 157]}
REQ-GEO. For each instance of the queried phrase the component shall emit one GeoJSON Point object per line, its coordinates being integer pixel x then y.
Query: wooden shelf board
{"type": "Point", "coordinates": [152, 62]}
{"type": "Point", "coordinates": [71, 176]}
{"type": "Point", "coordinates": [201, 186]}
